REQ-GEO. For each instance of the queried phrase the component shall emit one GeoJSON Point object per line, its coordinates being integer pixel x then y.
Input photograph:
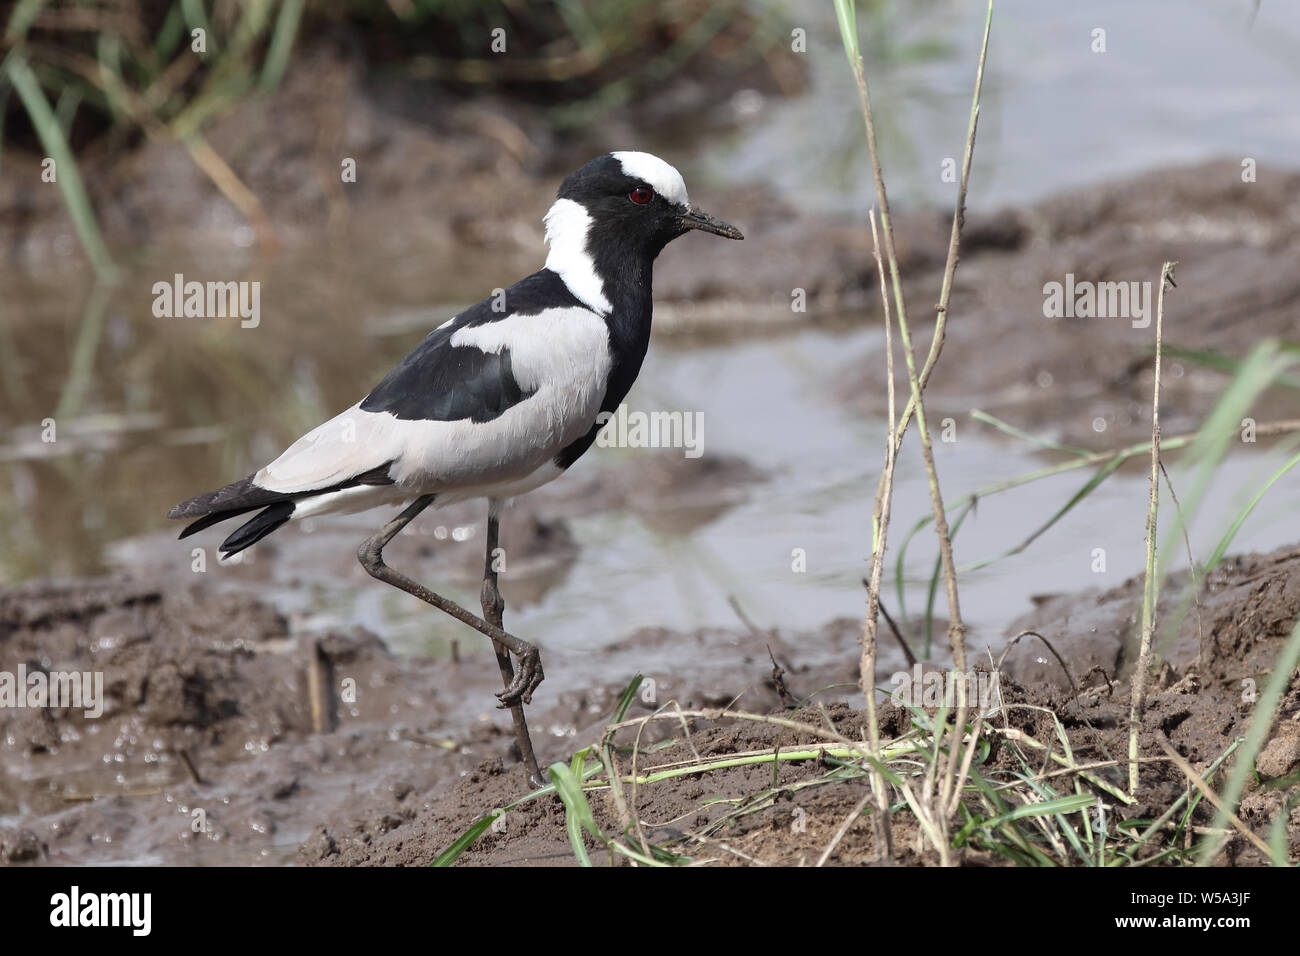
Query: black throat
{"type": "Point", "coordinates": [626, 273]}
{"type": "Point", "coordinates": [625, 265]}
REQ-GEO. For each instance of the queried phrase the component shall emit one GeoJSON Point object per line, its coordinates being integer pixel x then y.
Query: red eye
{"type": "Point", "coordinates": [641, 195]}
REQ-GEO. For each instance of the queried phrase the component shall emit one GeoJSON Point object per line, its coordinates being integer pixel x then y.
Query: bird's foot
{"type": "Point", "coordinates": [527, 677]}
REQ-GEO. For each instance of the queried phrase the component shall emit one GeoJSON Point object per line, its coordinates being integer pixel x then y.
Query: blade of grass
{"type": "Point", "coordinates": [982, 416]}
{"type": "Point", "coordinates": [66, 109]}
{"type": "Point", "coordinates": [1259, 370]}
{"type": "Point", "coordinates": [846, 17]}
{"type": "Point", "coordinates": [625, 699]}
{"type": "Point", "coordinates": [1283, 670]}
{"type": "Point", "coordinates": [169, 36]}
{"type": "Point", "coordinates": [56, 146]}
{"type": "Point", "coordinates": [277, 54]}
{"type": "Point", "coordinates": [577, 812]}
{"type": "Point", "coordinates": [1222, 363]}
{"type": "Point", "coordinates": [197, 19]}
{"type": "Point", "coordinates": [1190, 773]}
{"type": "Point", "coordinates": [936, 573]}
{"type": "Point", "coordinates": [1102, 473]}
{"type": "Point", "coordinates": [1244, 513]}
{"type": "Point", "coordinates": [1072, 803]}
{"type": "Point", "coordinates": [82, 369]}
{"type": "Point", "coordinates": [449, 856]}
{"type": "Point", "coordinates": [21, 19]}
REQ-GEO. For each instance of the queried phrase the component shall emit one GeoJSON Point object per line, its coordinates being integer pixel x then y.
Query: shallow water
{"type": "Point", "coordinates": [767, 402]}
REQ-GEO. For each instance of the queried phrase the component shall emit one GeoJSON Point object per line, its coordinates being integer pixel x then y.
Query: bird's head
{"type": "Point", "coordinates": [622, 206]}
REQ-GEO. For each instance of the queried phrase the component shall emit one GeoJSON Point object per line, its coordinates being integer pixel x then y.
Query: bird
{"type": "Point", "coordinates": [495, 402]}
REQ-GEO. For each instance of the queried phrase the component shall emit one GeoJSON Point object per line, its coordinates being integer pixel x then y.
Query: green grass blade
{"type": "Point", "coordinates": [1221, 363]}
{"type": "Point", "coordinates": [108, 50]}
{"type": "Point", "coordinates": [1102, 473]}
{"type": "Point", "coordinates": [900, 579]}
{"type": "Point", "coordinates": [847, 20]}
{"type": "Point", "coordinates": [169, 36]}
{"type": "Point", "coordinates": [56, 146]}
{"type": "Point", "coordinates": [20, 20]}
{"type": "Point", "coordinates": [1242, 515]}
{"type": "Point", "coordinates": [1277, 835]}
{"type": "Point", "coordinates": [277, 54]}
{"type": "Point", "coordinates": [449, 856]}
{"type": "Point", "coordinates": [574, 830]}
{"type": "Point", "coordinates": [1258, 371]}
{"type": "Point", "coordinates": [626, 698]}
{"type": "Point", "coordinates": [1284, 666]}
{"type": "Point", "coordinates": [1012, 430]}
{"type": "Point", "coordinates": [6, 90]}
{"type": "Point", "coordinates": [66, 109]}
{"type": "Point", "coordinates": [577, 811]}
{"type": "Point", "coordinates": [197, 19]}
{"type": "Point", "coordinates": [1072, 803]}
{"type": "Point", "coordinates": [82, 370]}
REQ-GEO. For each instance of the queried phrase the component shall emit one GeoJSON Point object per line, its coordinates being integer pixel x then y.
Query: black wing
{"type": "Point", "coordinates": [439, 381]}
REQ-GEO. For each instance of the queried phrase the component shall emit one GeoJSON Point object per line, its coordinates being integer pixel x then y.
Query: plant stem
{"type": "Point", "coordinates": [1150, 590]}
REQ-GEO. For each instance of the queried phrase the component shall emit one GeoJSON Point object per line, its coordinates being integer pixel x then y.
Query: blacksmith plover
{"type": "Point", "coordinates": [496, 401]}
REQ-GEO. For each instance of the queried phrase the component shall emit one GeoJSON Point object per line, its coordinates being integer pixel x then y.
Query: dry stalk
{"type": "Point", "coordinates": [943, 792]}
{"type": "Point", "coordinates": [1151, 584]}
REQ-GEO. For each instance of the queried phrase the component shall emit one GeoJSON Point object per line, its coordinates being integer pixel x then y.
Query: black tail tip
{"type": "Point", "coordinates": [253, 531]}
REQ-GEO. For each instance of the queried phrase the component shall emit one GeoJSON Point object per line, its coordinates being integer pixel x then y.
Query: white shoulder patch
{"type": "Point", "coordinates": [565, 348]}
{"type": "Point", "coordinates": [661, 177]}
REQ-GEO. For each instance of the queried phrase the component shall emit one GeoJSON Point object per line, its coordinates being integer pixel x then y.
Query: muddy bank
{"type": "Point", "coordinates": [1088, 380]}
{"type": "Point", "coordinates": [204, 751]}
{"type": "Point", "coordinates": [210, 748]}
{"type": "Point", "coordinates": [1248, 606]}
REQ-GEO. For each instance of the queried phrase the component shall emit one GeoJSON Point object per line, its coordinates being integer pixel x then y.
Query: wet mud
{"type": "Point", "coordinates": [210, 748]}
{"type": "Point", "coordinates": [1198, 704]}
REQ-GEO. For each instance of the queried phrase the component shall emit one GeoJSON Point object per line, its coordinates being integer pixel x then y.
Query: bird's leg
{"type": "Point", "coordinates": [370, 554]}
{"type": "Point", "coordinates": [493, 607]}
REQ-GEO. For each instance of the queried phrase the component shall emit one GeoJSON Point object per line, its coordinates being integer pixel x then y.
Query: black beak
{"type": "Point", "coordinates": [694, 219]}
